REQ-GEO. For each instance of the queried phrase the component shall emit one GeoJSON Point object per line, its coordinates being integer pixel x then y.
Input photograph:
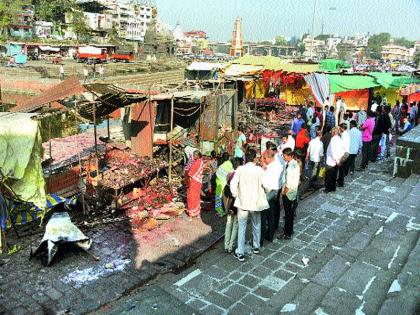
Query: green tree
{"type": "Point", "coordinates": [8, 15]}
{"type": "Point", "coordinates": [281, 41]}
{"type": "Point", "coordinates": [342, 52]}
{"type": "Point", "coordinates": [417, 59]}
{"type": "Point", "coordinates": [79, 26]}
{"type": "Point", "coordinates": [53, 11]}
{"type": "Point", "coordinates": [375, 44]}
{"type": "Point", "coordinates": [301, 48]}
{"type": "Point", "coordinates": [265, 42]}
{"type": "Point", "coordinates": [403, 42]}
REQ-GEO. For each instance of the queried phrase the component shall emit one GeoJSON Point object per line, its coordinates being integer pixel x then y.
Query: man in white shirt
{"type": "Point", "coordinates": [337, 110]}
{"type": "Point", "coordinates": [313, 158]}
{"type": "Point", "coordinates": [374, 106]}
{"type": "Point", "coordinates": [271, 182]}
{"type": "Point", "coordinates": [250, 199]}
{"type": "Point", "coordinates": [343, 168]}
{"type": "Point", "coordinates": [287, 141]}
{"type": "Point", "coordinates": [335, 152]}
{"type": "Point", "coordinates": [355, 145]}
{"type": "Point", "coordinates": [61, 72]}
{"type": "Point", "coordinates": [290, 190]}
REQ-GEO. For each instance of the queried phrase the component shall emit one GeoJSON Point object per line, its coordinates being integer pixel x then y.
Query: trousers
{"type": "Point", "coordinates": [256, 229]}
{"type": "Point", "coordinates": [268, 217]}
{"type": "Point", "coordinates": [289, 209]}
{"type": "Point", "coordinates": [351, 162]}
{"type": "Point", "coordinates": [231, 231]}
{"type": "Point", "coordinates": [330, 178]}
{"type": "Point", "coordinates": [365, 154]}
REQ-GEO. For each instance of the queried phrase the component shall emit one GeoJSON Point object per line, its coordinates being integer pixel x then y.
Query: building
{"type": "Point", "coordinates": [23, 24]}
{"type": "Point", "coordinates": [237, 48]}
{"type": "Point", "coordinates": [395, 52]}
{"type": "Point", "coordinates": [132, 20]}
{"type": "Point", "coordinates": [315, 49]}
{"type": "Point", "coordinates": [197, 40]}
{"type": "Point", "coordinates": [98, 22]}
{"type": "Point", "coordinates": [42, 29]}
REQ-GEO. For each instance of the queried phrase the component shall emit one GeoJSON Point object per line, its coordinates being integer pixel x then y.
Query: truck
{"type": "Point", "coordinates": [91, 54]}
{"type": "Point", "coordinates": [122, 56]}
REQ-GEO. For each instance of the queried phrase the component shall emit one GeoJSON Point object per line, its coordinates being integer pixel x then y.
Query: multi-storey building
{"type": "Point", "coordinates": [22, 26]}
{"type": "Point", "coordinates": [42, 29]}
{"type": "Point", "coordinates": [395, 52]}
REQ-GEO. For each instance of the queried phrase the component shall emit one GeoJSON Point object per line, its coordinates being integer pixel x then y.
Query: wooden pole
{"type": "Point", "coordinates": [170, 139]}
{"type": "Point", "coordinates": [94, 129]}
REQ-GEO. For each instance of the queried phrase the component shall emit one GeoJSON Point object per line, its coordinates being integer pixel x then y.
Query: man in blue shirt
{"type": "Point", "coordinates": [330, 118]}
{"type": "Point", "coordinates": [297, 124]}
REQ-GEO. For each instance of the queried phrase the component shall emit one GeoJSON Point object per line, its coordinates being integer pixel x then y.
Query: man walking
{"type": "Point", "coordinates": [61, 72]}
{"type": "Point", "coordinates": [297, 124]}
{"type": "Point", "coordinates": [85, 74]}
{"type": "Point", "coordinates": [290, 190]}
{"type": "Point", "coordinates": [335, 152]}
{"type": "Point", "coordinates": [330, 118]}
{"type": "Point", "coordinates": [355, 145]}
{"type": "Point", "coordinates": [367, 130]}
{"type": "Point", "coordinates": [250, 199]}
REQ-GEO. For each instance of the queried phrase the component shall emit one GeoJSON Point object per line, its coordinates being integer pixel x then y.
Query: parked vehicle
{"type": "Point", "coordinates": [122, 56]}
{"type": "Point", "coordinates": [91, 54]}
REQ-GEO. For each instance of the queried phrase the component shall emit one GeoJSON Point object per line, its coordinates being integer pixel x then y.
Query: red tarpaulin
{"type": "Point", "coordinates": [413, 97]}
{"type": "Point", "coordinates": [356, 99]}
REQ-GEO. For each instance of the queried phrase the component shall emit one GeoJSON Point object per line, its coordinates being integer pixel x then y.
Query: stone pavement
{"type": "Point", "coordinates": [76, 283]}
{"type": "Point", "coordinates": [355, 251]}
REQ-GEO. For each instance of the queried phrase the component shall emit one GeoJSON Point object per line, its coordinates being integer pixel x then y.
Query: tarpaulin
{"type": "Point", "coordinates": [343, 83]}
{"type": "Point", "coordinates": [20, 157]}
{"type": "Point", "coordinates": [333, 64]}
{"type": "Point", "coordinates": [356, 99]}
{"type": "Point", "coordinates": [242, 70]}
{"type": "Point", "coordinates": [320, 86]}
{"type": "Point", "coordinates": [16, 213]}
{"type": "Point", "coordinates": [295, 95]}
{"type": "Point", "coordinates": [390, 81]}
{"type": "Point", "coordinates": [260, 89]}
{"type": "Point", "coordinates": [275, 63]}
{"type": "Point", "coordinates": [249, 89]}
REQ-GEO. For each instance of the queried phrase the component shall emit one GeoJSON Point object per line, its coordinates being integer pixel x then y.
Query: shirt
{"type": "Point", "coordinates": [292, 179]}
{"type": "Point", "coordinates": [297, 125]}
{"type": "Point", "coordinates": [367, 128]}
{"type": "Point", "coordinates": [272, 175]}
{"type": "Point", "coordinates": [312, 130]}
{"type": "Point", "coordinates": [282, 178]}
{"type": "Point", "coordinates": [289, 144]}
{"type": "Point", "coordinates": [335, 151]}
{"type": "Point", "coordinates": [355, 140]}
{"type": "Point", "coordinates": [329, 119]}
{"type": "Point", "coordinates": [246, 186]}
{"type": "Point", "coordinates": [374, 107]}
{"type": "Point", "coordinates": [345, 137]}
{"type": "Point", "coordinates": [315, 150]}
{"type": "Point", "coordinates": [302, 139]}
{"type": "Point", "coordinates": [309, 113]}
{"type": "Point", "coordinates": [361, 117]}
{"type": "Point", "coordinates": [238, 146]}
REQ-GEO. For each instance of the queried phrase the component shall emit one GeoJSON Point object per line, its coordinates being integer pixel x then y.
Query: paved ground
{"type": "Point", "coordinates": [355, 251]}
{"type": "Point", "coordinates": [76, 283]}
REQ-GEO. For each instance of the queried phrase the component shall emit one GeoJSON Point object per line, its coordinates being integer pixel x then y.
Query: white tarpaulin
{"type": "Point", "coordinates": [49, 48]}
{"type": "Point", "coordinates": [205, 66]}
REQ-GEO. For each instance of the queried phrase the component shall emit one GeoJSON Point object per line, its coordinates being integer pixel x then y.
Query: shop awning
{"type": "Point", "coordinates": [390, 81]}
{"type": "Point", "coordinates": [236, 70]}
{"type": "Point", "coordinates": [343, 83]}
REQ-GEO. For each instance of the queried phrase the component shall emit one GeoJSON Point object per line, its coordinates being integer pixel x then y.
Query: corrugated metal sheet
{"type": "Point", "coordinates": [142, 126]}
{"type": "Point", "coordinates": [67, 88]}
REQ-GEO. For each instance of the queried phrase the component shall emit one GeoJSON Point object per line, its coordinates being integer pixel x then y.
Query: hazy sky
{"type": "Point", "coordinates": [264, 19]}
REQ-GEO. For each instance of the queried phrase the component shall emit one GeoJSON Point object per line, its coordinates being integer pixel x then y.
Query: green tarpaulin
{"type": "Point", "coordinates": [333, 64]}
{"type": "Point", "coordinates": [343, 83]}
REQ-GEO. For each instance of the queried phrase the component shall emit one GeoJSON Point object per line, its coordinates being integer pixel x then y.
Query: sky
{"type": "Point", "coordinates": [264, 19]}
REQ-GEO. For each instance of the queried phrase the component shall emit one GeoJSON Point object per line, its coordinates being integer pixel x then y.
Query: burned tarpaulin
{"type": "Point", "coordinates": [60, 230]}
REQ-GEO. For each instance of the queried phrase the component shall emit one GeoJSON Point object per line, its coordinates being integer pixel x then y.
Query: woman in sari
{"type": "Point", "coordinates": [195, 182]}
{"type": "Point", "coordinates": [221, 179]}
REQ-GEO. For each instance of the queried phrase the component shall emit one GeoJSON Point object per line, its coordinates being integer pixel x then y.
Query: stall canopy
{"type": "Point", "coordinates": [332, 65]}
{"type": "Point", "coordinates": [203, 70]}
{"type": "Point", "coordinates": [204, 66]}
{"type": "Point", "coordinates": [276, 64]}
{"type": "Point", "coordinates": [343, 83]}
{"type": "Point", "coordinates": [390, 81]}
{"type": "Point", "coordinates": [49, 48]}
{"type": "Point", "coordinates": [20, 157]}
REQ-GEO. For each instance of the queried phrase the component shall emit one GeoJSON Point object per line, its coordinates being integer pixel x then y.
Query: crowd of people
{"type": "Point", "coordinates": [261, 179]}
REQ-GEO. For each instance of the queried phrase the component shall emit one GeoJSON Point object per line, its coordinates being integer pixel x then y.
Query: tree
{"type": "Point", "coordinates": [9, 10]}
{"type": "Point", "coordinates": [301, 48]}
{"type": "Point", "coordinates": [54, 11]}
{"type": "Point", "coordinates": [79, 26]}
{"type": "Point", "coordinates": [342, 52]}
{"type": "Point", "coordinates": [265, 42]}
{"type": "Point", "coordinates": [375, 44]}
{"type": "Point", "coordinates": [281, 41]}
{"type": "Point", "coordinates": [417, 59]}
{"type": "Point", "coordinates": [403, 42]}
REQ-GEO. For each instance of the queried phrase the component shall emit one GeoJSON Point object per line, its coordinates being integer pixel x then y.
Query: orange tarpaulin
{"type": "Point", "coordinates": [249, 89]}
{"type": "Point", "coordinates": [356, 99]}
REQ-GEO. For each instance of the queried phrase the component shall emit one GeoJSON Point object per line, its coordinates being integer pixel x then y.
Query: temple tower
{"type": "Point", "coordinates": [237, 48]}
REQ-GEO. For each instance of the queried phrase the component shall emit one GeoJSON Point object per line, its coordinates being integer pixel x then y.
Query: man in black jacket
{"type": "Point", "coordinates": [382, 126]}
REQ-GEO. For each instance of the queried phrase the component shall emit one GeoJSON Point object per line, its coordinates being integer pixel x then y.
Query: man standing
{"type": "Point", "coordinates": [367, 130]}
{"type": "Point", "coordinates": [343, 169]}
{"type": "Point", "coordinates": [313, 158]}
{"type": "Point", "coordinates": [335, 152]}
{"type": "Point", "coordinates": [240, 142]}
{"type": "Point", "coordinates": [297, 124]}
{"type": "Point", "coordinates": [61, 72]}
{"type": "Point", "coordinates": [290, 190]}
{"type": "Point", "coordinates": [330, 118]}
{"type": "Point", "coordinates": [337, 111]}
{"type": "Point", "coordinates": [101, 72]}
{"type": "Point", "coordinates": [341, 111]}
{"type": "Point", "coordinates": [250, 199]}
{"type": "Point", "coordinates": [355, 145]}
{"type": "Point", "coordinates": [374, 106]}
{"type": "Point", "coordinates": [85, 74]}
{"type": "Point", "coordinates": [271, 182]}
{"type": "Point", "coordinates": [361, 117]}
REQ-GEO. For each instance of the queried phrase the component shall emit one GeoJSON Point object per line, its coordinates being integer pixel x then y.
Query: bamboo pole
{"type": "Point", "coordinates": [170, 139]}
